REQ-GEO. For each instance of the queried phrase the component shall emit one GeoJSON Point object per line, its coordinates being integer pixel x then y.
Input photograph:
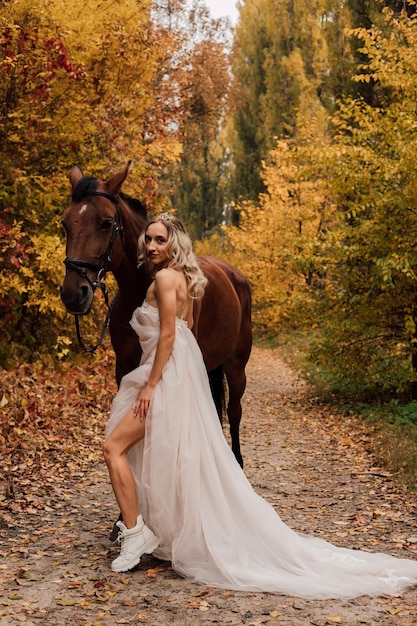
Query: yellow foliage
{"type": "Point", "coordinates": [79, 82]}
{"type": "Point", "coordinates": [275, 242]}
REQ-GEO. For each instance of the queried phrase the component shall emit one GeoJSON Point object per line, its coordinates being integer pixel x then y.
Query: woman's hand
{"type": "Point", "coordinates": [143, 401]}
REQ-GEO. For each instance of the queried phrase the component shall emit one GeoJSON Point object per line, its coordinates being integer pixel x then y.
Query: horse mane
{"type": "Point", "coordinates": [136, 205]}
{"type": "Point", "coordinates": [87, 185]}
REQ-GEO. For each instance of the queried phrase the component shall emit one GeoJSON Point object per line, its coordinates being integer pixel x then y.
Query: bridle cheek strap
{"type": "Point", "coordinates": [81, 266]}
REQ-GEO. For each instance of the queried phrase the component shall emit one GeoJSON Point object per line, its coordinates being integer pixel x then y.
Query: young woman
{"type": "Point", "coordinates": [169, 463]}
{"type": "Point", "coordinates": [169, 302]}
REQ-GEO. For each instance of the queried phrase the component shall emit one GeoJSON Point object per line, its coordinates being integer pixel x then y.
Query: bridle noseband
{"type": "Point", "coordinates": [81, 266]}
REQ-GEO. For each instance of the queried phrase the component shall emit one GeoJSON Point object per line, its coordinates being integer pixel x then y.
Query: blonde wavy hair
{"type": "Point", "coordinates": [180, 252]}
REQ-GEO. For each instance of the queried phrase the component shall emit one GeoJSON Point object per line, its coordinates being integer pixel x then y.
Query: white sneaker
{"type": "Point", "coordinates": [133, 543]}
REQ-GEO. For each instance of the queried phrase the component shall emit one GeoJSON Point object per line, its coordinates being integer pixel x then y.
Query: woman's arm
{"type": "Point", "coordinates": [166, 296]}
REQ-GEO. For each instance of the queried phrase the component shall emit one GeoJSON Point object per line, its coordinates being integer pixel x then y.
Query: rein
{"type": "Point", "coordinates": [81, 266]}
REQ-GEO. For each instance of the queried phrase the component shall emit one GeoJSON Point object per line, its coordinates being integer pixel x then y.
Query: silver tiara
{"type": "Point", "coordinates": [165, 217]}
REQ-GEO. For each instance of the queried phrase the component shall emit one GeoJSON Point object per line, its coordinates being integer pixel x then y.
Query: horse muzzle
{"type": "Point", "coordinates": [78, 299]}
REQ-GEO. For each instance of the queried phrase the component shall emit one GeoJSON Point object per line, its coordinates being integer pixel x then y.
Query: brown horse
{"type": "Point", "coordinates": [102, 226]}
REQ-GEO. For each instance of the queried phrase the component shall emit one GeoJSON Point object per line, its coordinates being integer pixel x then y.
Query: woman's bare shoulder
{"type": "Point", "coordinates": [169, 275]}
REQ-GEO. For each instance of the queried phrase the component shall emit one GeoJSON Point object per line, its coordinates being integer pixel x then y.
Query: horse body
{"type": "Point", "coordinates": [222, 319]}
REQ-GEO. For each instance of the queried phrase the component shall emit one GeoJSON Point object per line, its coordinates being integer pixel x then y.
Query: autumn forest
{"type": "Point", "coordinates": [287, 145]}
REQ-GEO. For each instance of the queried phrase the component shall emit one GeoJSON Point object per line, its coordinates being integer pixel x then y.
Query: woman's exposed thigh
{"type": "Point", "coordinates": [129, 431]}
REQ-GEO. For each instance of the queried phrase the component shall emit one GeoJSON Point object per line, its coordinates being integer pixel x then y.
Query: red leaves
{"type": "Point", "coordinates": [24, 48]}
{"type": "Point", "coordinates": [47, 415]}
{"type": "Point", "coordinates": [59, 59]}
{"type": "Point", "coordinates": [12, 246]}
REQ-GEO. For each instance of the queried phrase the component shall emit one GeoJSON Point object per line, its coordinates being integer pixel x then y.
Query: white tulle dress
{"type": "Point", "coordinates": [192, 493]}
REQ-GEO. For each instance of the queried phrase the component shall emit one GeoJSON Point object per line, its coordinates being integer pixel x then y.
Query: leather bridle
{"type": "Point", "coordinates": [81, 266]}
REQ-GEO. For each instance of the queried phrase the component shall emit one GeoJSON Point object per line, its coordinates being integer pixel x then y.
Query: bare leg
{"type": "Point", "coordinates": [128, 432]}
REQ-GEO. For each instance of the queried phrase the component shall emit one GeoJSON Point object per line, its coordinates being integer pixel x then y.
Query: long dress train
{"type": "Point", "coordinates": [193, 494]}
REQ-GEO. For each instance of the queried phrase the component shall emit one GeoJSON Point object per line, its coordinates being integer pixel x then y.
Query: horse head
{"type": "Point", "coordinates": [94, 230]}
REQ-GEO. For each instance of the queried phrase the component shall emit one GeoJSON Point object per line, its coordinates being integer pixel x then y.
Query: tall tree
{"type": "Point", "coordinates": [282, 49]}
{"type": "Point", "coordinates": [279, 52]}
{"type": "Point", "coordinates": [203, 80]}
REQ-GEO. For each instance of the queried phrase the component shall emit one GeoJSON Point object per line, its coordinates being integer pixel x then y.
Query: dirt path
{"type": "Point", "coordinates": [312, 466]}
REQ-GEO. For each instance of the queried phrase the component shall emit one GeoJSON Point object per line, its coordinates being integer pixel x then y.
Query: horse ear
{"type": "Point", "coordinates": [115, 183]}
{"type": "Point", "coordinates": [75, 175]}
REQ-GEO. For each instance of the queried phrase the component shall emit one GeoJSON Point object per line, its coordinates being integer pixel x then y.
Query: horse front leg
{"type": "Point", "coordinates": [124, 340]}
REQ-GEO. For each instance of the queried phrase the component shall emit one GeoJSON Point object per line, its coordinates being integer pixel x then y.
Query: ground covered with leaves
{"type": "Point", "coordinates": [57, 510]}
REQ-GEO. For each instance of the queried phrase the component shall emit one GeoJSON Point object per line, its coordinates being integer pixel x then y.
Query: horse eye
{"type": "Point", "coordinates": [106, 225]}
